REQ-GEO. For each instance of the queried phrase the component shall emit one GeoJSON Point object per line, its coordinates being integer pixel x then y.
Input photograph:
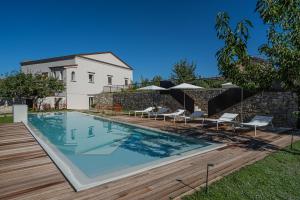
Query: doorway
{"type": "Point", "coordinates": [91, 102]}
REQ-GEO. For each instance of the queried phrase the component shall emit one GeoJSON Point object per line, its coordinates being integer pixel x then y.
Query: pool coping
{"type": "Point", "coordinates": [70, 177]}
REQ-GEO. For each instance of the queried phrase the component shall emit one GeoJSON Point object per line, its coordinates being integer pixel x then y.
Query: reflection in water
{"type": "Point", "coordinates": [109, 128]}
{"type": "Point", "coordinates": [73, 134]}
{"type": "Point", "coordinates": [91, 131]}
{"type": "Point", "coordinates": [107, 125]}
{"type": "Point", "coordinates": [156, 145]}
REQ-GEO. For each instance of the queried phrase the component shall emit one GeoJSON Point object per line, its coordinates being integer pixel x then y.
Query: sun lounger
{"type": "Point", "coordinates": [194, 115]}
{"type": "Point", "coordinates": [147, 111]}
{"type": "Point", "coordinates": [259, 121]}
{"type": "Point", "coordinates": [225, 118]}
{"type": "Point", "coordinates": [173, 115]}
{"type": "Point", "coordinates": [161, 110]}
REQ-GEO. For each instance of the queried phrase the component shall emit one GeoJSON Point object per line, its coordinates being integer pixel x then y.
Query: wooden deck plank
{"type": "Point", "coordinates": [26, 172]}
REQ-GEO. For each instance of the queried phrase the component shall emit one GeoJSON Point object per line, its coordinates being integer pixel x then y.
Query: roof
{"type": "Point", "coordinates": [72, 56]}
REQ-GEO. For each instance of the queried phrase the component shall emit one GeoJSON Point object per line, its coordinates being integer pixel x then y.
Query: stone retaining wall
{"type": "Point", "coordinates": [202, 97]}
{"type": "Point", "coordinates": [278, 104]}
{"type": "Point", "coordinates": [136, 100]}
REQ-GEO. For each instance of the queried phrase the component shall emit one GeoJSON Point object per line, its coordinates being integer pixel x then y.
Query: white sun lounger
{"type": "Point", "coordinates": [259, 121]}
{"type": "Point", "coordinates": [173, 115]}
{"type": "Point", "coordinates": [161, 110]}
{"type": "Point", "coordinates": [194, 115]}
{"type": "Point", "coordinates": [147, 110]}
{"type": "Point", "coordinates": [225, 118]}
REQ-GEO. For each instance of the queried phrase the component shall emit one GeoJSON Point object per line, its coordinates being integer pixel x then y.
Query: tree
{"type": "Point", "coordinates": [209, 83]}
{"type": "Point", "coordinates": [234, 63]}
{"type": "Point", "coordinates": [183, 71]}
{"type": "Point", "coordinates": [283, 46]}
{"type": "Point", "coordinates": [27, 86]}
{"type": "Point", "coordinates": [145, 82]}
{"type": "Point", "coordinates": [156, 80]}
{"type": "Point", "coordinates": [43, 87]}
{"type": "Point", "coordinates": [16, 86]}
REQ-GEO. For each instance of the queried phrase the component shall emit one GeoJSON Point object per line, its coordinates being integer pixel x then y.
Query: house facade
{"type": "Point", "coordinates": [84, 76]}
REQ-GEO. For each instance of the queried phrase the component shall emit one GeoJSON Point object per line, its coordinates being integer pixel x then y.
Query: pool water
{"type": "Point", "coordinates": [95, 149]}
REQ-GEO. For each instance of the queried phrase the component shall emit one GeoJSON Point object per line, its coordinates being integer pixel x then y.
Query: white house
{"type": "Point", "coordinates": [84, 76]}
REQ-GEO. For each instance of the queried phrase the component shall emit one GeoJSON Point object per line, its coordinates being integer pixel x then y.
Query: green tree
{"type": "Point", "coordinates": [156, 80]}
{"type": "Point", "coordinates": [283, 46]}
{"type": "Point", "coordinates": [234, 63]}
{"type": "Point", "coordinates": [16, 86]}
{"type": "Point", "coordinates": [183, 71]}
{"type": "Point", "coordinates": [145, 82]}
{"type": "Point", "coordinates": [27, 86]}
{"type": "Point", "coordinates": [43, 87]}
{"type": "Point", "coordinates": [209, 83]}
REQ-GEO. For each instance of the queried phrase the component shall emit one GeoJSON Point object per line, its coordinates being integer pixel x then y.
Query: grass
{"type": "Point", "coordinates": [6, 119]}
{"type": "Point", "coordinates": [275, 177]}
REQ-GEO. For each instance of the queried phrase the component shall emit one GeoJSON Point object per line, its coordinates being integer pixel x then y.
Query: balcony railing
{"type": "Point", "coordinates": [120, 88]}
{"type": "Point", "coordinates": [116, 88]}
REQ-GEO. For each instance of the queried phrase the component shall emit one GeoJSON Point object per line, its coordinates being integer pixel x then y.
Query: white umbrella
{"type": "Point", "coordinates": [153, 88]}
{"type": "Point", "coordinates": [185, 86]}
{"type": "Point", "coordinates": [229, 85]}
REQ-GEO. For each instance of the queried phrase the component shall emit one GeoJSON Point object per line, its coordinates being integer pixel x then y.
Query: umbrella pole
{"type": "Point", "coordinates": [153, 99]}
{"type": "Point", "coordinates": [242, 98]}
{"type": "Point", "coordinates": [184, 102]}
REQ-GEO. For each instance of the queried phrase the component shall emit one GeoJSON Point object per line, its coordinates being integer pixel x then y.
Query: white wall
{"type": "Point", "coordinates": [78, 92]}
{"type": "Point", "coordinates": [107, 57]}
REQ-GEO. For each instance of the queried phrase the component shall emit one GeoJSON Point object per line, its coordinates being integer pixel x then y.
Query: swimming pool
{"type": "Point", "coordinates": [92, 150]}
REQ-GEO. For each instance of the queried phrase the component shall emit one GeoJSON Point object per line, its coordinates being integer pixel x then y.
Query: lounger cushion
{"type": "Point", "coordinates": [149, 109]}
{"type": "Point", "coordinates": [178, 112]}
{"type": "Point", "coordinates": [259, 120]}
{"type": "Point", "coordinates": [161, 110]}
{"type": "Point", "coordinates": [194, 115]}
{"type": "Point", "coordinates": [227, 117]}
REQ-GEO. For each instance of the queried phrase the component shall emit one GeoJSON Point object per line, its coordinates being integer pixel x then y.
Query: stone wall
{"type": "Point", "coordinates": [104, 99]}
{"type": "Point", "coordinates": [5, 109]}
{"type": "Point", "coordinates": [202, 97]}
{"type": "Point", "coordinates": [280, 105]}
{"type": "Point", "coordinates": [137, 100]}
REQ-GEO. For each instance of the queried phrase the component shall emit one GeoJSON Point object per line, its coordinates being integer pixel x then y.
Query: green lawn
{"type": "Point", "coordinates": [6, 119]}
{"type": "Point", "coordinates": [275, 177]}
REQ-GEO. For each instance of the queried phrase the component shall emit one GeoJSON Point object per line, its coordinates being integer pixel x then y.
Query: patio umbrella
{"type": "Point", "coordinates": [185, 86]}
{"type": "Point", "coordinates": [152, 88]}
{"type": "Point", "coordinates": [229, 85]}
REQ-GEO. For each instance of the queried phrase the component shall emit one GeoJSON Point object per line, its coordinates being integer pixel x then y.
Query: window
{"type": "Point", "coordinates": [91, 78]}
{"type": "Point", "coordinates": [73, 76]}
{"type": "Point", "coordinates": [126, 81]}
{"type": "Point", "coordinates": [109, 80]}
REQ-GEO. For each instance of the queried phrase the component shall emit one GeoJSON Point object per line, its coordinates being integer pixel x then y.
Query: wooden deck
{"type": "Point", "coordinates": [26, 172]}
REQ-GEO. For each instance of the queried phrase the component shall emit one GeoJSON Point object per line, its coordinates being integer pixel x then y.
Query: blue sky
{"type": "Point", "coordinates": [149, 35]}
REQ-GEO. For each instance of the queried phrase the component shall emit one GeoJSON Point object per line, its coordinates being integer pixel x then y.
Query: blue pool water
{"type": "Point", "coordinates": [98, 147]}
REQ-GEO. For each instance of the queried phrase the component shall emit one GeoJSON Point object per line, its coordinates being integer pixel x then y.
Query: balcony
{"type": "Point", "coordinates": [115, 88]}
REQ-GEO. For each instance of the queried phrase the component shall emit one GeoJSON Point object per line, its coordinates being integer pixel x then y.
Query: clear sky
{"type": "Point", "coordinates": [149, 35]}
